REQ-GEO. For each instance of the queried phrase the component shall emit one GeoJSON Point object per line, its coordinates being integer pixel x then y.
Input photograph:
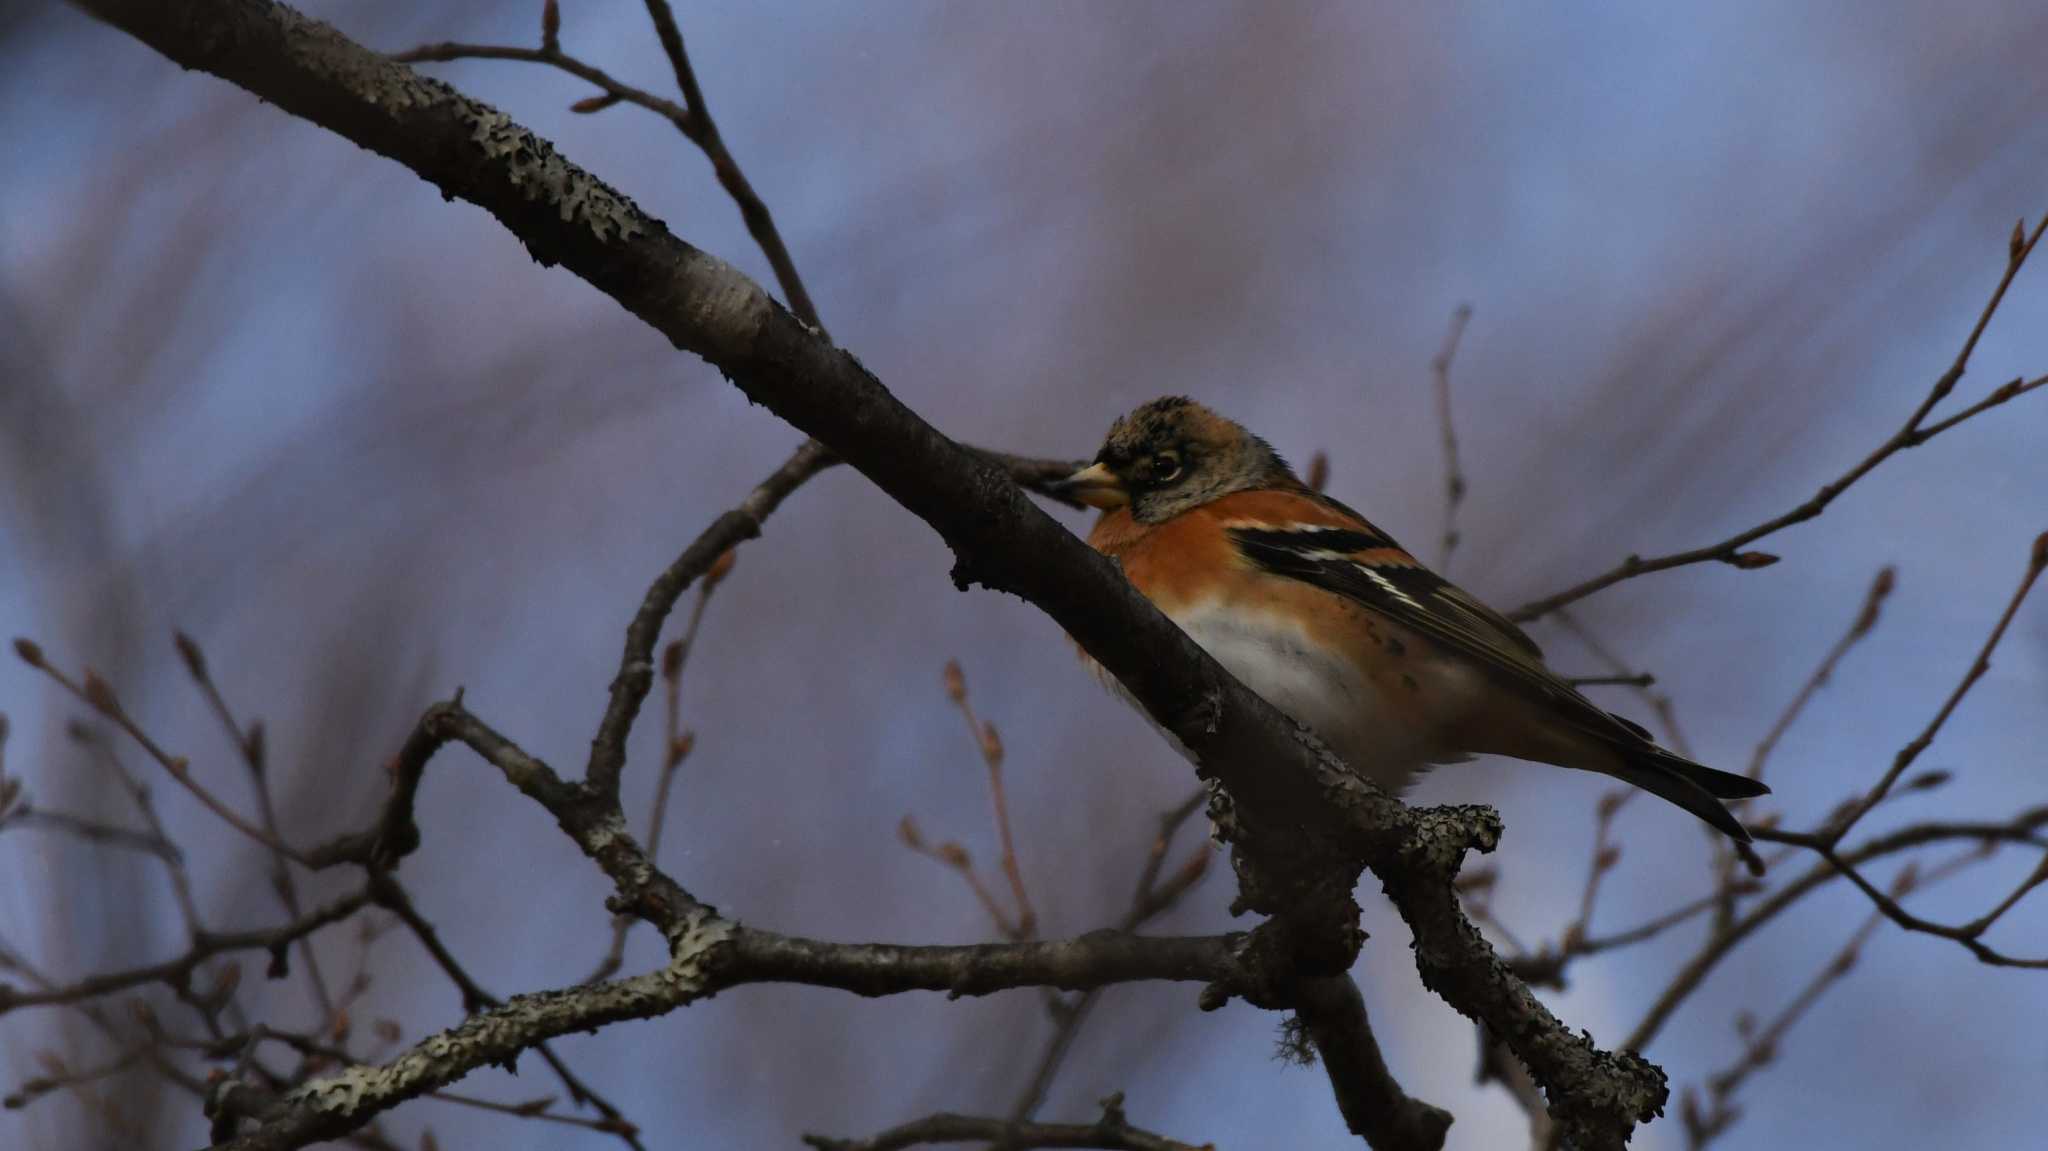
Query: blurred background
{"type": "Point", "coordinates": [260, 385]}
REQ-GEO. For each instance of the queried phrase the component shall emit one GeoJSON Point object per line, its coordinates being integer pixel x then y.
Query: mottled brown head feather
{"type": "Point", "coordinates": [1173, 454]}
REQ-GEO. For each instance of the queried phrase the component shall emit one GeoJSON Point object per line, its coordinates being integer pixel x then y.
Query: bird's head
{"type": "Point", "coordinates": [1173, 454]}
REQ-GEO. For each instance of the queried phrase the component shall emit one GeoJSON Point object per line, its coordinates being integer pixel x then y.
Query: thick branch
{"type": "Point", "coordinates": [1110, 1133]}
{"type": "Point", "coordinates": [1373, 1103]}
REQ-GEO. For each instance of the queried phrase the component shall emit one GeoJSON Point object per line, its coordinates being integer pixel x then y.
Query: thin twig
{"type": "Point", "coordinates": [538, 1109]}
{"type": "Point", "coordinates": [386, 890]}
{"type": "Point", "coordinates": [1111, 1132]}
{"type": "Point", "coordinates": [250, 744]}
{"type": "Point", "coordinates": [2024, 828]}
{"type": "Point", "coordinates": [1914, 432]}
{"type": "Point", "coordinates": [1454, 475]}
{"type": "Point", "coordinates": [1150, 900]}
{"type": "Point", "coordinates": [90, 830]}
{"type": "Point", "coordinates": [98, 695]}
{"type": "Point", "coordinates": [990, 745]}
{"type": "Point", "coordinates": [2037, 560]}
{"type": "Point", "coordinates": [1866, 618]}
{"type": "Point", "coordinates": [1760, 1045]}
{"type": "Point", "coordinates": [177, 973]}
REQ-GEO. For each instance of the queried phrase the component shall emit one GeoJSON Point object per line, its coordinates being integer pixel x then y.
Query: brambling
{"type": "Point", "coordinates": [1308, 604]}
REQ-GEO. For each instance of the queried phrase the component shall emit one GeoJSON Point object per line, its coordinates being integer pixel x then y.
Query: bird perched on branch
{"type": "Point", "coordinates": [1331, 621]}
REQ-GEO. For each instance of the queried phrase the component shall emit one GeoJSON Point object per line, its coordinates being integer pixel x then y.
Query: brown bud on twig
{"type": "Point", "coordinates": [188, 650]}
{"type": "Point", "coordinates": [1318, 471]}
{"type": "Point", "coordinates": [2016, 246]}
{"type": "Point", "coordinates": [533, 1107]}
{"type": "Point", "coordinates": [225, 980]}
{"type": "Point", "coordinates": [955, 855]}
{"type": "Point", "coordinates": [907, 831]}
{"type": "Point", "coordinates": [1611, 802]}
{"type": "Point", "coordinates": [254, 748]}
{"type": "Point", "coordinates": [1927, 780]}
{"type": "Point", "coordinates": [1750, 561]}
{"type": "Point", "coordinates": [589, 104]}
{"type": "Point", "coordinates": [550, 26]}
{"type": "Point", "coordinates": [991, 744]}
{"type": "Point", "coordinates": [956, 681]}
{"type": "Point", "coordinates": [1907, 879]}
{"type": "Point", "coordinates": [680, 749]}
{"type": "Point", "coordinates": [2040, 559]}
{"type": "Point", "coordinates": [1608, 857]}
{"type": "Point", "coordinates": [672, 660]}
{"type": "Point", "coordinates": [30, 652]}
{"type": "Point", "coordinates": [100, 694]}
{"type": "Point", "coordinates": [340, 1027]}
{"type": "Point", "coordinates": [720, 568]}
{"type": "Point", "coordinates": [1881, 587]}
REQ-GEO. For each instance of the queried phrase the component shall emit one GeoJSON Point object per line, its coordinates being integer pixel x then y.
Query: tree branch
{"type": "Point", "coordinates": [1304, 823]}
{"type": "Point", "coordinates": [1913, 433]}
{"type": "Point", "coordinates": [1112, 1132]}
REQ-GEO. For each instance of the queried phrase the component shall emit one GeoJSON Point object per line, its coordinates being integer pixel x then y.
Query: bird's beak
{"type": "Point", "coordinates": [1096, 486]}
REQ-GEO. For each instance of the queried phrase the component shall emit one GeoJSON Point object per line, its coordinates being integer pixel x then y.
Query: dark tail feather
{"type": "Point", "coordinates": [1717, 783]}
{"type": "Point", "coordinates": [1691, 786]}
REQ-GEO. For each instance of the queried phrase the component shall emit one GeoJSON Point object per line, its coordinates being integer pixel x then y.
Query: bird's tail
{"type": "Point", "coordinates": [1694, 787]}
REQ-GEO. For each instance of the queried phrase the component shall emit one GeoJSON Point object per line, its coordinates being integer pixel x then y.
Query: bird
{"type": "Point", "coordinates": [1325, 616]}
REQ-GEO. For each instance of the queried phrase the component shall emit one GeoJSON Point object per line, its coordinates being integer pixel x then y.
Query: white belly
{"type": "Point", "coordinates": [1273, 657]}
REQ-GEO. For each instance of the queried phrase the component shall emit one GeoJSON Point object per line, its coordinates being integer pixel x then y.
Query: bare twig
{"type": "Point", "coordinates": [1866, 618]}
{"type": "Point", "coordinates": [2024, 828]}
{"type": "Point", "coordinates": [59, 1076]}
{"type": "Point", "coordinates": [98, 695]}
{"type": "Point", "coordinates": [541, 1110]}
{"type": "Point", "coordinates": [2036, 561]}
{"type": "Point", "coordinates": [390, 895]}
{"type": "Point", "coordinates": [703, 132]}
{"type": "Point", "coordinates": [1914, 432]}
{"type": "Point", "coordinates": [636, 665]}
{"type": "Point", "coordinates": [1112, 1132]}
{"type": "Point", "coordinates": [1454, 475]}
{"type": "Point", "coordinates": [177, 973]}
{"type": "Point", "coordinates": [990, 746]}
{"type": "Point", "coordinates": [90, 830]}
{"type": "Point", "coordinates": [250, 744]}
{"type": "Point", "coordinates": [676, 746]}
{"type": "Point", "coordinates": [1150, 900]}
{"type": "Point", "coordinates": [1704, 1123]}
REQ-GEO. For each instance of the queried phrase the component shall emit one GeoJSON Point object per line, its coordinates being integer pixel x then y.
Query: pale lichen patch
{"type": "Point", "coordinates": [545, 176]}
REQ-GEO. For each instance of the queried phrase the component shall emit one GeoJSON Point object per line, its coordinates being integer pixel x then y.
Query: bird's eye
{"type": "Point", "coordinates": [1165, 467]}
